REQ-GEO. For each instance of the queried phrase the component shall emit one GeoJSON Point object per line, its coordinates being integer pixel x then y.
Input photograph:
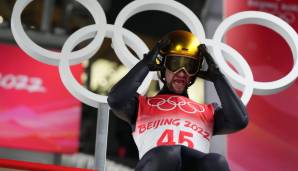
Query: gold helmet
{"type": "Point", "coordinates": [183, 43]}
{"type": "Point", "coordinates": [181, 53]}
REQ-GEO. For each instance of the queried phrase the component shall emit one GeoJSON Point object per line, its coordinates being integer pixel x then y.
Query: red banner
{"type": "Point", "coordinates": [270, 141]}
{"type": "Point", "coordinates": [36, 111]}
{"type": "Point", "coordinates": [24, 165]}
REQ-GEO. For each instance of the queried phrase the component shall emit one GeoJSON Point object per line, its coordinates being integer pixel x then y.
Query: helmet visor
{"type": "Point", "coordinates": [176, 63]}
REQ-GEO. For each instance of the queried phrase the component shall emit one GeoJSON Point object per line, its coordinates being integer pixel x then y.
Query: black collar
{"type": "Point", "coordinates": [165, 90]}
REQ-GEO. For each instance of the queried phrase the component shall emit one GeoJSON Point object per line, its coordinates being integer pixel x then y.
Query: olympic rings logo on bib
{"type": "Point", "coordinates": [167, 104]}
{"type": "Point", "coordinates": [121, 37]}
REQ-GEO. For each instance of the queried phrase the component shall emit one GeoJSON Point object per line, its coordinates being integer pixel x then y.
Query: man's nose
{"type": "Point", "coordinates": [182, 73]}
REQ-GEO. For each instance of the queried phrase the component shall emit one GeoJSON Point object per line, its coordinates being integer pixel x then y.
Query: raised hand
{"type": "Point", "coordinates": [213, 71]}
{"type": "Point", "coordinates": [152, 59]}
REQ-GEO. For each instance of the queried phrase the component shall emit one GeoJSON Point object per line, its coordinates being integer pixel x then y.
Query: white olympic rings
{"type": "Point", "coordinates": [68, 79]}
{"type": "Point", "coordinates": [160, 103]}
{"type": "Point", "coordinates": [51, 57]}
{"type": "Point", "coordinates": [271, 22]}
{"type": "Point", "coordinates": [243, 81]}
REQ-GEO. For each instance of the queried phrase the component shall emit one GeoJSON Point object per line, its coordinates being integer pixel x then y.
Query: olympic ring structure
{"type": "Point", "coordinates": [160, 103]}
{"type": "Point", "coordinates": [121, 37]}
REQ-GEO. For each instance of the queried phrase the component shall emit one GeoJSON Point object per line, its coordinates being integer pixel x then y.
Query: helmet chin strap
{"type": "Point", "coordinates": [192, 80]}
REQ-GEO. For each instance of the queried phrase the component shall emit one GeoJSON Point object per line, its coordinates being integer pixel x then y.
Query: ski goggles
{"type": "Point", "coordinates": [177, 63]}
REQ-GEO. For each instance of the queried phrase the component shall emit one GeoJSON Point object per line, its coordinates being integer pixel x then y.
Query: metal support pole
{"type": "Point", "coordinates": [101, 136]}
{"type": "Point", "coordinates": [47, 15]}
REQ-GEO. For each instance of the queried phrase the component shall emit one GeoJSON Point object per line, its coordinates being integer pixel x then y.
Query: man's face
{"type": "Point", "coordinates": [177, 82]}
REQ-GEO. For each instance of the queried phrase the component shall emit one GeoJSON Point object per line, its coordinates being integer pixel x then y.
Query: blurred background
{"type": "Point", "coordinates": [41, 122]}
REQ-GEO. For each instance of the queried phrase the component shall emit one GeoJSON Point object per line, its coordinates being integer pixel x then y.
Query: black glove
{"type": "Point", "coordinates": [213, 71]}
{"type": "Point", "coordinates": [152, 59]}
